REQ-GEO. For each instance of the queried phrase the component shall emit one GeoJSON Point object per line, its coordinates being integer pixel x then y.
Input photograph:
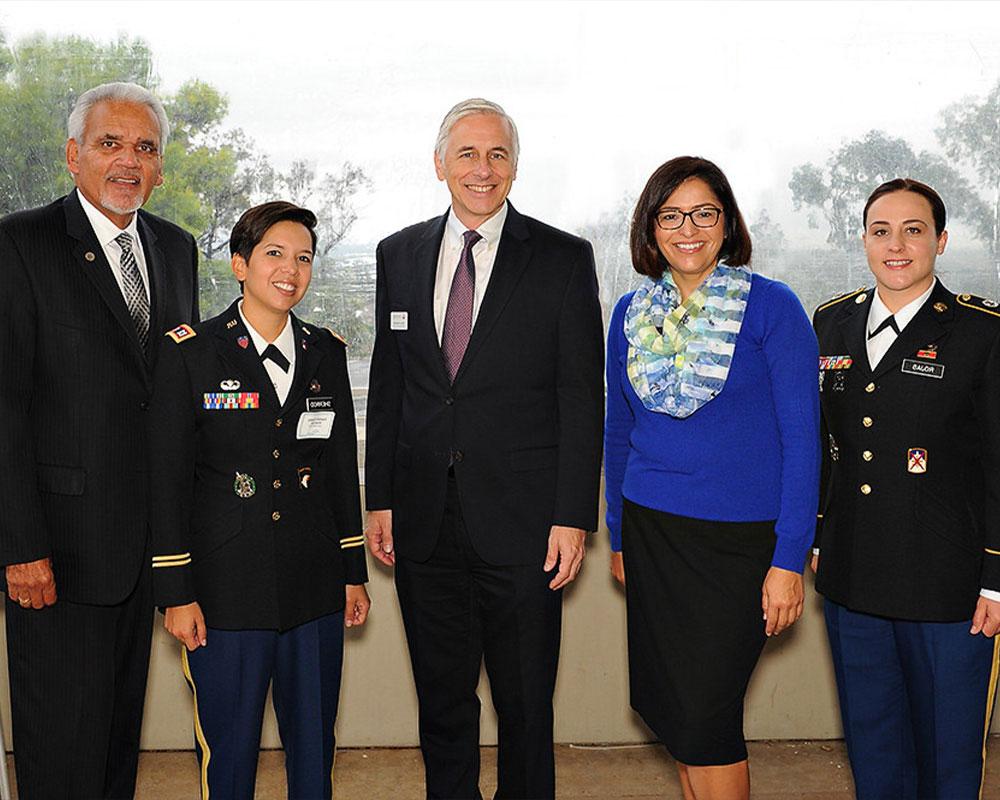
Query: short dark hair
{"type": "Point", "coordinates": [909, 185]}
{"type": "Point", "coordinates": [646, 256]}
{"type": "Point", "coordinates": [255, 222]}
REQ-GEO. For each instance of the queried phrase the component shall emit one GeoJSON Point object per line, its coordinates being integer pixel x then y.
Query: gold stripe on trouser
{"type": "Point", "coordinates": [206, 753]}
{"type": "Point", "coordinates": [991, 694]}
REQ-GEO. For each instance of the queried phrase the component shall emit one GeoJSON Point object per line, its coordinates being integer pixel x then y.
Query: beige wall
{"type": "Point", "coordinates": [792, 694]}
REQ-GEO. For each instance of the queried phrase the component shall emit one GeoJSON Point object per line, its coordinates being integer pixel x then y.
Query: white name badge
{"type": "Point", "coordinates": [399, 320]}
{"type": "Point", "coordinates": [315, 425]}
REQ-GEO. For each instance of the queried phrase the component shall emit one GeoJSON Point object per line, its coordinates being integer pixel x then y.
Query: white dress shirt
{"type": "Point", "coordinates": [879, 345]}
{"type": "Point", "coordinates": [484, 253]}
{"type": "Point", "coordinates": [106, 231]}
{"type": "Point", "coordinates": [285, 342]}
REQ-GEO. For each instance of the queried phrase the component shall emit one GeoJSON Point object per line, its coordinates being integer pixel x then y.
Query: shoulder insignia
{"type": "Point", "coordinates": [842, 297]}
{"type": "Point", "coordinates": [979, 304]}
{"type": "Point", "coordinates": [338, 337]}
{"type": "Point", "coordinates": [182, 332]}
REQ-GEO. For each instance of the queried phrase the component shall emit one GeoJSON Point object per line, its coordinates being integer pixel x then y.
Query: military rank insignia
{"type": "Point", "coordinates": [244, 485]}
{"type": "Point", "coordinates": [182, 332]}
{"type": "Point", "coordinates": [230, 401]}
{"type": "Point", "coordinates": [916, 460]}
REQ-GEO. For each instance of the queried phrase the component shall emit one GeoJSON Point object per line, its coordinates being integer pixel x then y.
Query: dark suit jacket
{"type": "Point", "coordinates": [914, 544]}
{"type": "Point", "coordinates": [74, 391]}
{"type": "Point", "coordinates": [281, 556]}
{"type": "Point", "coordinates": [522, 422]}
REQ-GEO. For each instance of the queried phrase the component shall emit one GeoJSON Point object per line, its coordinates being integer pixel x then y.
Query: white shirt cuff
{"type": "Point", "coordinates": [989, 594]}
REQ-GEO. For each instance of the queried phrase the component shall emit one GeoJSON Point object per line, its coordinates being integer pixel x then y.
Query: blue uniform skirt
{"type": "Point", "coordinates": [695, 627]}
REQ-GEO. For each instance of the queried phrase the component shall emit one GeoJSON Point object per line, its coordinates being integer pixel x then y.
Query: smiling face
{"type": "Point", "coordinates": [902, 246]}
{"type": "Point", "coordinates": [118, 161]}
{"type": "Point", "coordinates": [478, 167]}
{"type": "Point", "coordinates": [277, 275]}
{"type": "Point", "coordinates": [690, 251]}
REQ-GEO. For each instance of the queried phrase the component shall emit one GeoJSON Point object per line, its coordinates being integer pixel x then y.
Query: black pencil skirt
{"type": "Point", "coordinates": [695, 627]}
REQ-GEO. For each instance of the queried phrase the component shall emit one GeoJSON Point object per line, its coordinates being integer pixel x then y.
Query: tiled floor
{"type": "Point", "coordinates": [780, 771]}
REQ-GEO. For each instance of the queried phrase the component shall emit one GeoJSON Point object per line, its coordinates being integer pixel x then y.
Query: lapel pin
{"type": "Point", "coordinates": [940, 307]}
{"type": "Point", "coordinates": [231, 324]}
{"type": "Point", "coordinates": [89, 256]}
{"type": "Point", "coordinates": [304, 347]}
{"type": "Point", "coordinates": [243, 341]}
{"type": "Point", "coordinates": [314, 386]}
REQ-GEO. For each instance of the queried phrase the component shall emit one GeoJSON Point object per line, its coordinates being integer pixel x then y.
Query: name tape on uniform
{"type": "Point", "coordinates": [913, 367]}
{"type": "Point", "coordinates": [319, 404]}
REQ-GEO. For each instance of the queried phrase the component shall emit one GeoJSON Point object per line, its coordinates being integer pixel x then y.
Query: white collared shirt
{"type": "Point", "coordinates": [285, 342]}
{"type": "Point", "coordinates": [484, 253]}
{"type": "Point", "coordinates": [879, 345]}
{"type": "Point", "coordinates": [106, 231]}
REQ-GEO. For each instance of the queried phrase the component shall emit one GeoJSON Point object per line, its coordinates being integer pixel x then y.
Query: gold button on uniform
{"type": "Point", "coordinates": [868, 455]}
{"type": "Point", "coordinates": [276, 516]}
{"type": "Point", "coordinates": [277, 484]}
{"type": "Point", "coordinates": [277, 422]}
{"type": "Point", "coordinates": [866, 489]}
{"type": "Point", "coordinates": [870, 388]}
{"type": "Point", "coordinates": [276, 453]}
{"type": "Point", "coordinates": [866, 421]}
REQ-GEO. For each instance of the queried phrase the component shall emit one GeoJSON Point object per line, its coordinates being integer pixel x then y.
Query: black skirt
{"type": "Point", "coordinates": [695, 627]}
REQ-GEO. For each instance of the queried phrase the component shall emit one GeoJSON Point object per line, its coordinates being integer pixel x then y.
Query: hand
{"type": "Point", "coordinates": [379, 534]}
{"type": "Point", "coordinates": [32, 584]}
{"type": "Point", "coordinates": [566, 547]}
{"type": "Point", "coordinates": [187, 625]}
{"type": "Point", "coordinates": [357, 605]}
{"type": "Point", "coordinates": [986, 620]}
{"type": "Point", "coordinates": [782, 597]}
{"type": "Point", "coordinates": [618, 567]}
{"type": "Point", "coordinates": [814, 563]}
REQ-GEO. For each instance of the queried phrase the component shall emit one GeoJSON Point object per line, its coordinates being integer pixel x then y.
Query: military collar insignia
{"type": "Point", "coordinates": [231, 324]}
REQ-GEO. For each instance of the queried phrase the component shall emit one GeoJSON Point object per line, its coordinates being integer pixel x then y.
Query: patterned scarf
{"type": "Point", "coordinates": [679, 370]}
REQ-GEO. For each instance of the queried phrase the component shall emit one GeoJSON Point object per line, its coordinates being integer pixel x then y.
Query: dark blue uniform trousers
{"type": "Point", "coordinates": [915, 700]}
{"type": "Point", "coordinates": [230, 677]}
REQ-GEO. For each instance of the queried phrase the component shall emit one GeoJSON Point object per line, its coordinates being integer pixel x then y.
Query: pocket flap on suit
{"type": "Point", "coordinates": [534, 458]}
{"type": "Point", "coordinates": [56, 479]}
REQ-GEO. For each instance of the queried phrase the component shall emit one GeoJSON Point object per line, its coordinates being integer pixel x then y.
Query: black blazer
{"type": "Point", "coordinates": [910, 506]}
{"type": "Point", "coordinates": [279, 552]}
{"type": "Point", "coordinates": [74, 391]}
{"type": "Point", "coordinates": [521, 424]}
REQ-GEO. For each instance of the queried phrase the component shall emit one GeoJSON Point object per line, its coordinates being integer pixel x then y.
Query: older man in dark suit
{"type": "Point", "coordinates": [90, 285]}
{"type": "Point", "coordinates": [485, 410]}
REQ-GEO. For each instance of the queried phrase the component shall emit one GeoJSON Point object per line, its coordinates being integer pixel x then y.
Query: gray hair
{"type": "Point", "coordinates": [474, 105]}
{"type": "Point", "coordinates": [116, 93]}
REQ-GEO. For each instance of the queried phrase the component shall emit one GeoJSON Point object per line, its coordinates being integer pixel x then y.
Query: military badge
{"type": "Point", "coordinates": [861, 298]}
{"type": "Point", "coordinates": [940, 307]}
{"type": "Point", "coordinates": [244, 485]}
{"type": "Point", "coordinates": [305, 475]}
{"type": "Point", "coordinates": [182, 332]}
{"type": "Point", "coordinates": [229, 385]}
{"type": "Point", "coordinates": [928, 352]}
{"type": "Point", "coordinates": [230, 401]}
{"type": "Point", "coordinates": [231, 324]}
{"type": "Point", "coordinates": [243, 341]}
{"type": "Point", "coordinates": [916, 460]}
{"type": "Point", "coordinates": [835, 362]}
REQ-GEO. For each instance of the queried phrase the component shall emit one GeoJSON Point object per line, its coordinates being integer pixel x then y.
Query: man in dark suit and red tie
{"type": "Point", "coordinates": [90, 285]}
{"type": "Point", "coordinates": [485, 412]}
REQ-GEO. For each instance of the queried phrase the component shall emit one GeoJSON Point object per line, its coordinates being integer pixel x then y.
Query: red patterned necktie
{"type": "Point", "coordinates": [458, 317]}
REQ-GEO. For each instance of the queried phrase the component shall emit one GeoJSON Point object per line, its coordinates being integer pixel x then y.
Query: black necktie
{"type": "Point", "coordinates": [888, 322]}
{"type": "Point", "coordinates": [273, 353]}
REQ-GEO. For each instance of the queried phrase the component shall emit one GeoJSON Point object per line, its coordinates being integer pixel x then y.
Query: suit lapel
{"type": "Point", "coordinates": [89, 254]}
{"type": "Point", "coordinates": [307, 360]}
{"type": "Point", "coordinates": [927, 326]}
{"type": "Point", "coordinates": [425, 259]}
{"type": "Point", "coordinates": [237, 348]}
{"type": "Point", "coordinates": [156, 268]}
{"type": "Point", "coordinates": [853, 328]}
{"type": "Point", "coordinates": [511, 259]}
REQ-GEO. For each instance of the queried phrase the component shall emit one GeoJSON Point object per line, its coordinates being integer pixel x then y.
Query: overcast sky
{"type": "Point", "coordinates": [602, 92]}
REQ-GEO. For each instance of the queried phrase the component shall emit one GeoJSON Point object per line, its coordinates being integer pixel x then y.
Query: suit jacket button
{"type": "Point", "coordinates": [277, 422]}
{"type": "Point", "coordinates": [277, 484]}
{"type": "Point", "coordinates": [448, 401]}
{"type": "Point", "coordinates": [144, 405]}
{"type": "Point", "coordinates": [276, 516]}
{"type": "Point", "coordinates": [866, 489]}
{"type": "Point", "coordinates": [457, 455]}
{"type": "Point", "coordinates": [276, 453]}
{"type": "Point", "coordinates": [870, 388]}
{"type": "Point", "coordinates": [868, 455]}
{"type": "Point", "coordinates": [866, 421]}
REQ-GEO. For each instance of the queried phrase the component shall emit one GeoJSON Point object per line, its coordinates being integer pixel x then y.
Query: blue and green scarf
{"type": "Point", "coordinates": [679, 354]}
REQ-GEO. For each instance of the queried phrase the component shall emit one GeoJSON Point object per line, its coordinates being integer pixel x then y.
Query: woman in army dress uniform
{"type": "Point", "coordinates": [909, 530]}
{"type": "Point", "coordinates": [258, 546]}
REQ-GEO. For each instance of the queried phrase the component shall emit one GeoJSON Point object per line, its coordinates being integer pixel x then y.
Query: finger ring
{"type": "Point", "coordinates": [25, 601]}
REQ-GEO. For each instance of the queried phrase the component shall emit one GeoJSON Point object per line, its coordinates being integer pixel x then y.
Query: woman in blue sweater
{"type": "Point", "coordinates": [712, 468]}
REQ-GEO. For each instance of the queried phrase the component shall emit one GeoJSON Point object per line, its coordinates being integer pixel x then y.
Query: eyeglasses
{"type": "Point", "coordinates": [704, 217]}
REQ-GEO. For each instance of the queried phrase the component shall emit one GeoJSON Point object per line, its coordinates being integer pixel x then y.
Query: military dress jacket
{"type": "Point", "coordinates": [256, 506]}
{"type": "Point", "coordinates": [909, 524]}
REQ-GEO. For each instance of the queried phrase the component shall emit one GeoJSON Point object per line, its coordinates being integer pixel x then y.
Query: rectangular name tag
{"type": "Point", "coordinates": [319, 404]}
{"type": "Point", "coordinates": [914, 367]}
{"type": "Point", "coordinates": [399, 320]}
{"type": "Point", "coordinates": [315, 425]}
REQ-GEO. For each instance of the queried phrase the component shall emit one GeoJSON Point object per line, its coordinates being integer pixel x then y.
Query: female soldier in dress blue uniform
{"type": "Point", "coordinates": [258, 546]}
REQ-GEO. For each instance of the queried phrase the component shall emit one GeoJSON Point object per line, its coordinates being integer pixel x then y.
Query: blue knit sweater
{"type": "Point", "coordinates": [750, 454]}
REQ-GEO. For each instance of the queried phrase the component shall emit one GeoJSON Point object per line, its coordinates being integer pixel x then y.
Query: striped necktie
{"type": "Point", "coordinates": [458, 316]}
{"type": "Point", "coordinates": [135, 292]}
